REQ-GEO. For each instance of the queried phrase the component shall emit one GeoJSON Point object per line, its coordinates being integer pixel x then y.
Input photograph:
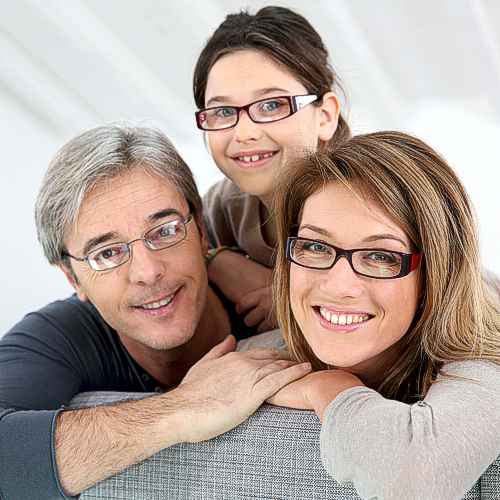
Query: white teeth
{"type": "Point", "coordinates": [254, 158]}
{"type": "Point", "coordinates": [342, 319]}
{"type": "Point", "coordinates": [157, 305]}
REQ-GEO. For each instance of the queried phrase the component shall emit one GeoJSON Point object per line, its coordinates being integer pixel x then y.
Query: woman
{"type": "Point", "coordinates": [265, 93]}
{"type": "Point", "coordinates": [378, 284]}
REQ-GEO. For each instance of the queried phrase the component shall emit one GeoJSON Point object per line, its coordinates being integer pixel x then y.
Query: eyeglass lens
{"type": "Point", "coordinates": [371, 262]}
{"type": "Point", "coordinates": [267, 110]}
{"type": "Point", "coordinates": [157, 238]}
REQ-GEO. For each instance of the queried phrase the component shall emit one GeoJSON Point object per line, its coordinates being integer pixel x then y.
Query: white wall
{"type": "Point", "coordinates": [47, 96]}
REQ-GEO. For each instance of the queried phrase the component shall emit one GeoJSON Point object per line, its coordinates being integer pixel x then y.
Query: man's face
{"type": "Point", "coordinates": [155, 300]}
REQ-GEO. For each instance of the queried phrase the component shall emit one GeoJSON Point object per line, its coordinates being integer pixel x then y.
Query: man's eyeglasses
{"type": "Point", "coordinates": [371, 262]}
{"type": "Point", "coordinates": [271, 109]}
{"type": "Point", "coordinates": [159, 237]}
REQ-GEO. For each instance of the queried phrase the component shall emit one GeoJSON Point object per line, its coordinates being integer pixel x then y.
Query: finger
{"type": "Point", "coordinates": [267, 325]}
{"type": "Point", "coordinates": [227, 345]}
{"type": "Point", "coordinates": [266, 353]}
{"type": "Point", "coordinates": [255, 316]}
{"type": "Point", "coordinates": [273, 367]}
{"type": "Point", "coordinates": [249, 300]}
{"type": "Point", "coordinates": [273, 382]}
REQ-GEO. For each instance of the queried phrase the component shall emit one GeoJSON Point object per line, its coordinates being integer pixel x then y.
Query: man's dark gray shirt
{"type": "Point", "coordinates": [45, 360]}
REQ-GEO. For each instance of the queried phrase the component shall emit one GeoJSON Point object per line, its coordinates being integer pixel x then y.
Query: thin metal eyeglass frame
{"type": "Point", "coordinates": [294, 101]}
{"type": "Point", "coordinates": [409, 261]}
{"type": "Point", "coordinates": [146, 241]}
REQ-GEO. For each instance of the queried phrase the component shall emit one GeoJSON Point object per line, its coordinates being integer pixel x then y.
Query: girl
{"type": "Point", "coordinates": [264, 89]}
{"type": "Point", "coordinates": [378, 284]}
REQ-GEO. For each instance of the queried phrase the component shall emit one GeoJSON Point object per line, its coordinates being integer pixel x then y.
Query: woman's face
{"type": "Point", "coordinates": [251, 154]}
{"type": "Point", "coordinates": [351, 321]}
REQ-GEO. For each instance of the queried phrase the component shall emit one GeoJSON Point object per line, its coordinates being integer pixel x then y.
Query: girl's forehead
{"type": "Point", "coordinates": [249, 74]}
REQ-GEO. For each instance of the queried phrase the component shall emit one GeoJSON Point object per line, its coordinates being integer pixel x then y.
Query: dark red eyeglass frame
{"type": "Point", "coordinates": [295, 102]}
{"type": "Point", "coordinates": [409, 261]}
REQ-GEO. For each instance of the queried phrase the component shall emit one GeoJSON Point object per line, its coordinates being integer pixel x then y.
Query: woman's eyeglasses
{"type": "Point", "coordinates": [371, 262]}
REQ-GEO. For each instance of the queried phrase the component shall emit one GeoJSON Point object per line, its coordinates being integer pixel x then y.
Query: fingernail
{"type": "Point", "coordinates": [306, 366]}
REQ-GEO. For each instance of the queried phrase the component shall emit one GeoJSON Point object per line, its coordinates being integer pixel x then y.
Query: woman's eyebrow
{"type": "Point", "coordinates": [368, 239]}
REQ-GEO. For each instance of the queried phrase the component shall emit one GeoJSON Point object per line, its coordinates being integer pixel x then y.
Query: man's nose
{"type": "Point", "coordinates": [246, 130]}
{"type": "Point", "coordinates": [146, 266]}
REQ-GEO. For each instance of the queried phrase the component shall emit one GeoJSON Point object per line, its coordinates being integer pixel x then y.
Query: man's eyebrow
{"type": "Point", "coordinates": [161, 214]}
{"type": "Point", "coordinates": [259, 93]}
{"type": "Point", "coordinates": [368, 239]}
{"type": "Point", "coordinates": [98, 240]}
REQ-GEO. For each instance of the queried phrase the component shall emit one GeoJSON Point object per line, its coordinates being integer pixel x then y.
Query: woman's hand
{"type": "Point", "coordinates": [315, 391]}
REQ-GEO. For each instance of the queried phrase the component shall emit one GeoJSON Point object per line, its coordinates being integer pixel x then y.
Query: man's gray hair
{"type": "Point", "coordinates": [97, 155]}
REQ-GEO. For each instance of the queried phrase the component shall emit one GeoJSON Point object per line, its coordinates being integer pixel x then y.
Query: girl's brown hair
{"type": "Point", "coordinates": [458, 319]}
{"type": "Point", "coordinates": [284, 36]}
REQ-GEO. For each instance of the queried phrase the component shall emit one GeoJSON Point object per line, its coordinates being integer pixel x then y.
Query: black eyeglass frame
{"type": "Point", "coordinates": [409, 261]}
{"type": "Point", "coordinates": [146, 241]}
{"type": "Point", "coordinates": [294, 101]}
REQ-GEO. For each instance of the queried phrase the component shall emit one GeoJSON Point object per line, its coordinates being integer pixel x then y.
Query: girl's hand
{"type": "Point", "coordinates": [258, 306]}
{"type": "Point", "coordinates": [315, 391]}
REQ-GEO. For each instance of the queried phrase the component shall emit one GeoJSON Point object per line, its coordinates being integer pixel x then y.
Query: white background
{"type": "Point", "coordinates": [429, 67]}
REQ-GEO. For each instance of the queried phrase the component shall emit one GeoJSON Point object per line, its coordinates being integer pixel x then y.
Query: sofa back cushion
{"type": "Point", "coordinates": [273, 455]}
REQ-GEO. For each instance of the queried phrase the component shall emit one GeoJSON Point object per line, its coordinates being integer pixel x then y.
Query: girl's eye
{"type": "Point", "coordinates": [224, 112]}
{"type": "Point", "coordinates": [271, 106]}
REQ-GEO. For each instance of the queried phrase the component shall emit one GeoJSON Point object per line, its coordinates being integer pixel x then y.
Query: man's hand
{"type": "Point", "coordinates": [315, 391]}
{"type": "Point", "coordinates": [258, 304]}
{"type": "Point", "coordinates": [225, 387]}
{"type": "Point", "coordinates": [217, 394]}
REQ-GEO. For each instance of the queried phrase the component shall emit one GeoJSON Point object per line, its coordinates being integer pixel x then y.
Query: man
{"type": "Point", "coordinates": [118, 212]}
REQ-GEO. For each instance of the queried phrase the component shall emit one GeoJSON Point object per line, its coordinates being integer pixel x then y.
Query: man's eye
{"type": "Point", "coordinates": [109, 253]}
{"type": "Point", "coordinates": [166, 231]}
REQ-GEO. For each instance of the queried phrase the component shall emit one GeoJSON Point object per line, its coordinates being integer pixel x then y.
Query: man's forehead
{"type": "Point", "coordinates": [127, 201]}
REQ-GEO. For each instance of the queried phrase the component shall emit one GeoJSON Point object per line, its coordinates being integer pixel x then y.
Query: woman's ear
{"type": "Point", "coordinates": [329, 116]}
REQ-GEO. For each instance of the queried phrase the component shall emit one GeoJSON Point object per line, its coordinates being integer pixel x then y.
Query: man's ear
{"type": "Point", "coordinates": [73, 281]}
{"type": "Point", "coordinates": [329, 116]}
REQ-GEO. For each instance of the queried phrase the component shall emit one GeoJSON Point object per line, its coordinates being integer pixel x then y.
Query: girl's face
{"type": "Point", "coordinates": [251, 154]}
{"type": "Point", "coordinates": [351, 321]}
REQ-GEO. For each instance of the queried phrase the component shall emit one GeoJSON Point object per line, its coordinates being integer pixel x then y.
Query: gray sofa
{"type": "Point", "coordinates": [273, 455]}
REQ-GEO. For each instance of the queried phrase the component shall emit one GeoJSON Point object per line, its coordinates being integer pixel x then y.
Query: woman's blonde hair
{"type": "Point", "coordinates": [458, 318]}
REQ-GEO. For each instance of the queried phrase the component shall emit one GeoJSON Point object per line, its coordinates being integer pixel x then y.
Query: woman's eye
{"type": "Point", "coordinates": [315, 247]}
{"type": "Point", "coordinates": [382, 258]}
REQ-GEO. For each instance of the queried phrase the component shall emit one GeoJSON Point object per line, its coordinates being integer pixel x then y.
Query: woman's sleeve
{"type": "Point", "coordinates": [436, 448]}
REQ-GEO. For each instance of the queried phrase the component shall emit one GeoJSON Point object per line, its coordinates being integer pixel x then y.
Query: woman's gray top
{"type": "Point", "coordinates": [434, 449]}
